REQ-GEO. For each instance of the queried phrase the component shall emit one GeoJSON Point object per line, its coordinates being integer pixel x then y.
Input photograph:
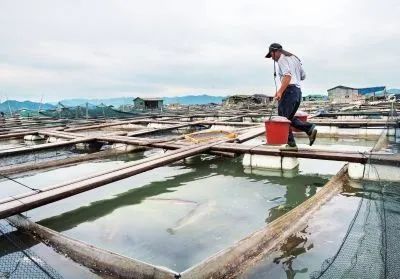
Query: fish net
{"type": "Point", "coordinates": [37, 157]}
{"type": "Point", "coordinates": [17, 261]}
{"type": "Point", "coordinates": [371, 246]}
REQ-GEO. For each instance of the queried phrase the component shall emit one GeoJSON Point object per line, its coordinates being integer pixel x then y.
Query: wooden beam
{"type": "Point", "coordinates": [108, 124]}
{"type": "Point", "coordinates": [151, 131]}
{"type": "Point", "coordinates": [18, 134]}
{"type": "Point", "coordinates": [355, 123]}
{"type": "Point", "coordinates": [59, 134]}
{"type": "Point", "coordinates": [43, 146]}
{"type": "Point", "coordinates": [253, 133]}
{"type": "Point", "coordinates": [20, 168]}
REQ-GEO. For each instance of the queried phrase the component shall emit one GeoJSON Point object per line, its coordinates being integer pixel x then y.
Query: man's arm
{"type": "Point", "coordinates": [284, 84]}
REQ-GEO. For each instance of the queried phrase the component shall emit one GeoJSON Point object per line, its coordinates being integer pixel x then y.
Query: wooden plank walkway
{"type": "Point", "coordinates": [352, 157]}
{"type": "Point", "coordinates": [25, 167]}
{"type": "Point", "coordinates": [355, 123]}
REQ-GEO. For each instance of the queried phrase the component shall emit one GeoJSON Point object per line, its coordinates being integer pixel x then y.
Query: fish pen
{"type": "Point", "coordinates": [198, 194]}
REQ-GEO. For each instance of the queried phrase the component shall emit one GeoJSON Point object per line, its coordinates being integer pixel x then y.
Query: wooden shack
{"type": "Point", "coordinates": [148, 103]}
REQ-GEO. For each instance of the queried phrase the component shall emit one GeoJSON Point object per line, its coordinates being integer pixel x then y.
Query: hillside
{"type": "Point", "coordinates": [17, 105]}
{"type": "Point", "coordinates": [95, 102]}
{"type": "Point", "coordinates": [185, 100]}
{"type": "Point", "coordinates": [393, 91]}
{"type": "Point", "coordinates": [193, 99]}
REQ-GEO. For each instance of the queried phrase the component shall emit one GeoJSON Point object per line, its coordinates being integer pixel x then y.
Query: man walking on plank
{"type": "Point", "coordinates": [288, 95]}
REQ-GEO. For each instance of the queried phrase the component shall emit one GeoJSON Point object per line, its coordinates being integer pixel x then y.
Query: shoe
{"type": "Point", "coordinates": [313, 135]}
{"type": "Point", "coordinates": [289, 147]}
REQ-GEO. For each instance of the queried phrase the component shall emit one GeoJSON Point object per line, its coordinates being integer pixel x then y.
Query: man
{"type": "Point", "coordinates": [289, 94]}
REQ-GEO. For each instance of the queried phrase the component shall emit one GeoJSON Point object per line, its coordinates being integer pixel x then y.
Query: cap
{"type": "Point", "coordinates": [273, 47]}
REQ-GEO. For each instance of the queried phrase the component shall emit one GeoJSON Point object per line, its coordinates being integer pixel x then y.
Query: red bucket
{"type": "Point", "coordinates": [302, 116]}
{"type": "Point", "coordinates": [277, 130]}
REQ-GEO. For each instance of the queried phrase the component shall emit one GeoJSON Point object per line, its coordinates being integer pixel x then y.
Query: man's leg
{"type": "Point", "coordinates": [302, 126]}
{"type": "Point", "coordinates": [291, 140]}
{"type": "Point", "coordinates": [297, 123]}
{"type": "Point", "coordinates": [287, 108]}
{"type": "Point", "coordinates": [306, 127]}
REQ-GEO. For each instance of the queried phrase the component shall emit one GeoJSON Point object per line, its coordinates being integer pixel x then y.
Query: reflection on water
{"type": "Point", "coordinates": [294, 196]}
{"type": "Point", "coordinates": [293, 247]}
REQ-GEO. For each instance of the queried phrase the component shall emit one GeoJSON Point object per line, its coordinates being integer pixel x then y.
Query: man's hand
{"type": "Point", "coordinates": [278, 95]}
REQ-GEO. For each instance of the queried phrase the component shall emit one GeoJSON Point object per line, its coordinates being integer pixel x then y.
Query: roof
{"type": "Point", "coordinates": [362, 91]}
{"type": "Point", "coordinates": [315, 95]}
{"type": "Point", "coordinates": [342, 87]}
{"type": "Point", "coordinates": [148, 99]}
{"type": "Point", "coordinates": [369, 90]}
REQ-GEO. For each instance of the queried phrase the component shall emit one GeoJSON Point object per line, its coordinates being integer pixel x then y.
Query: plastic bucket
{"type": "Point", "coordinates": [302, 116]}
{"type": "Point", "coordinates": [277, 130]}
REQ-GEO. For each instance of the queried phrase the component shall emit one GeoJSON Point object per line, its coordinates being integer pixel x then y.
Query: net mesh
{"type": "Point", "coordinates": [370, 248]}
{"type": "Point", "coordinates": [39, 156]}
{"type": "Point", "coordinates": [16, 261]}
{"type": "Point", "coordinates": [208, 136]}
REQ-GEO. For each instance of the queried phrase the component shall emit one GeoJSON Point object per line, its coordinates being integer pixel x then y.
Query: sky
{"type": "Point", "coordinates": [101, 49]}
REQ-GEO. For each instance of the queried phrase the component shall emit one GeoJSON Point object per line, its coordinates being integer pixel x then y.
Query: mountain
{"type": "Point", "coordinates": [17, 105]}
{"type": "Point", "coordinates": [95, 102]}
{"type": "Point", "coordinates": [184, 100]}
{"type": "Point", "coordinates": [193, 100]}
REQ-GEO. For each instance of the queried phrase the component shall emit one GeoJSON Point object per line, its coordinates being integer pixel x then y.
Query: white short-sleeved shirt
{"type": "Point", "coordinates": [291, 65]}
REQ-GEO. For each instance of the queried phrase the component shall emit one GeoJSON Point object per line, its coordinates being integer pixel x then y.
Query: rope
{"type": "Point", "coordinates": [20, 183]}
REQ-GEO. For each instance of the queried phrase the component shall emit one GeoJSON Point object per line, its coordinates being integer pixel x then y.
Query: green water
{"type": "Point", "coordinates": [177, 215]}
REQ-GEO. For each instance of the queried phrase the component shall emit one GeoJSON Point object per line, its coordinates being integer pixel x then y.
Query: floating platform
{"type": "Point", "coordinates": [183, 181]}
